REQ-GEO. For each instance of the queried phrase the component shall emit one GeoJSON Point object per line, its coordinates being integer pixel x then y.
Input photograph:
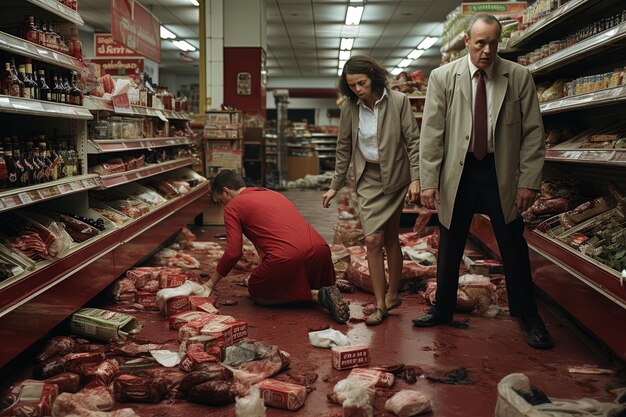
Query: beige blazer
{"type": "Point", "coordinates": [398, 143]}
{"type": "Point", "coordinates": [517, 131]}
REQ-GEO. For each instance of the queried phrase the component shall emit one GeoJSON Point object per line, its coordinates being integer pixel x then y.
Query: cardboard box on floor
{"type": "Point", "coordinates": [299, 166]}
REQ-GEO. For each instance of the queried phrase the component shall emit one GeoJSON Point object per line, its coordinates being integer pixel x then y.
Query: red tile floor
{"type": "Point", "coordinates": [489, 349]}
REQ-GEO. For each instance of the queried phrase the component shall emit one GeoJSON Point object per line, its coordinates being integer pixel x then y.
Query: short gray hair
{"type": "Point", "coordinates": [485, 17]}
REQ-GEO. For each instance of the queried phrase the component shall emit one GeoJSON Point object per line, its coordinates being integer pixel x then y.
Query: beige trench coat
{"type": "Point", "coordinates": [398, 143]}
{"type": "Point", "coordinates": [518, 134]}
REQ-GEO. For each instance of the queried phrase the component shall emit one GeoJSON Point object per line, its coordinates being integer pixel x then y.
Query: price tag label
{"type": "Point", "coordinates": [9, 201]}
{"type": "Point", "coordinates": [86, 183]}
{"type": "Point", "coordinates": [161, 115]}
{"type": "Point", "coordinates": [25, 198]}
{"type": "Point", "coordinates": [75, 186]}
{"type": "Point", "coordinates": [61, 189]}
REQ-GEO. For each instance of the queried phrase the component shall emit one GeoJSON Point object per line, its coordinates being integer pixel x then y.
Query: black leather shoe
{"type": "Point", "coordinates": [432, 318]}
{"type": "Point", "coordinates": [537, 335]}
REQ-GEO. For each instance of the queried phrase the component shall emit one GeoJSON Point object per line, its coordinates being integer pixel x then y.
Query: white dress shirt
{"type": "Point", "coordinates": [488, 83]}
{"type": "Point", "coordinates": [367, 138]}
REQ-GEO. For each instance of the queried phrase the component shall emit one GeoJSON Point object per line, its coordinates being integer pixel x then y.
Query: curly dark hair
{"type": "Point", "coordinates": [227, 178]}
{"type": "Point", "coordinates": [363, 64]}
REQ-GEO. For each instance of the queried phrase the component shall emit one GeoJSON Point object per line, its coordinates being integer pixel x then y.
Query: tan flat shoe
{"type": "Point", "coordinates": [376, 317]}
{"type": "Point", "coordinates": [395, 304]}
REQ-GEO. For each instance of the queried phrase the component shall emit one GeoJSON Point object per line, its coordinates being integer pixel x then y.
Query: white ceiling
{"type": "Point", "coordinates": [303, 36]}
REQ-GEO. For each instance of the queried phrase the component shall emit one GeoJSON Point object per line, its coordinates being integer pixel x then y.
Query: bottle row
{"type": "Point", "coordinates": [36, 160]}
{"type": "Point", "coordinates": [27, 81]}
{"type": "Point", "coordinates": [42, 33]}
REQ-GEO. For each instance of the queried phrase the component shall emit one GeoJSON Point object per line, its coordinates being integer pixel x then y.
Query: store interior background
{"type": "Point", "coordinates": [301, 40]}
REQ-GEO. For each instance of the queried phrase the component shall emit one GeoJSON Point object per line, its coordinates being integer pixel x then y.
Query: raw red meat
{"type": "Point", "coordinates": [57, 346]}
{"type": "Point", "coordinates": [66, 381]}
{"type": "Point", "coordinates": [131, 388]}
{"type": "Point", "coordinates": [213, 393]}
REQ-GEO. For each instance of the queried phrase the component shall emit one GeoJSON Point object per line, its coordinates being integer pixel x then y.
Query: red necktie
{"type": "Point", "coordinates": [480, 118]}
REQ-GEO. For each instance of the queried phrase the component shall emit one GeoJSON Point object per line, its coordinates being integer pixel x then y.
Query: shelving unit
{"type": "Point", "coordinates": [593, 293]}
{"type": "Point", "coordinates": [325, 145]}
{"type": "Point", "coordinates": [40, 297]}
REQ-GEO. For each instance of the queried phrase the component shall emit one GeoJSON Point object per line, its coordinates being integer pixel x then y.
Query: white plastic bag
{"type": "Point", "coordinates": [251, 405]}
{"type": "Point", "coordinates": [353, 394]}
{"type": "Point", "coordinates": [328, 338]}
{"type": "Point", "coordinates": [188, 288]}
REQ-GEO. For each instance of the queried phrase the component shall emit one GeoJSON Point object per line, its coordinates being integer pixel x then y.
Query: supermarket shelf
{"type": "Point", "coordinates": [580, 50]}
{"type": "Point", "coordinates": [588, 284]}
{"type": "Point", "coordinates": [320, 141]}
{"type": "Point", "coordinates": [39, 301]}
{"type": "Point", "coordinates": [603, 157]}
{"type": "Point", "coordinates": [117, 145]}
{"type": "Point", "coordinates": [326, 156]}
{"type": "Point", "coordinates": [456, 44]}
{"type": "Point", "coordinates": [323, 135]}
{"type": "Point", "coordinates": [22, 47]}
{"type": "Point", "coordinates": [100, 104]}
{"type": "Point", "coordinates": [21, 197]}
{"type": "Point", "coordinates": [210, 139]}
{"type": "Point", "coordinates": [569, 9]}
{"type": "Point", "coordinates": [143, 172]}
{"type": "Point", "coordinates": [55, 7]}
{"type": "Point", "coordinates": [606, 97]}
{"type": "Point", "coordinates": [19, 105]}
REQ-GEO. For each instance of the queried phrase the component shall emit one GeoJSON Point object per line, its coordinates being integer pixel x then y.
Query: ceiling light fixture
{"type": "Point", "coordinates": [415, 53]}
{"type": "Point", "coordinates": [396, 71]}
{"type": "Point", "coordinates": [344, 55]}
{"type": "Point", "coordinates": [195, 2]}
{"type": "Point", "coordinates": [166, 34]}
{"type": "Point", "coordinates": [341, 64]}
{"type": "Point", "coordinates": [339, 72]}
{"type": "Point", "coordinates": [427, 43]}
{"type": "Point", "coordinates": [405, 63]}
{"type": "Point", "coordinates": [346, 44]}
{"type": "Point", "coordinates": [353, 17]}
{"type": "Point", "coordinates": [184, 46]}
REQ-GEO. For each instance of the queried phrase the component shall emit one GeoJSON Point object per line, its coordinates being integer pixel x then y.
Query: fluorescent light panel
{"type": "Point", "coordinates": [405, 63]}
{"type": "Point", "coordinates": [344, 55]}
{"type": "Point", "coordinates": [346, 44]}
{"type": "Point", "coordinates": [353, 17]}
{"type": "Point", "coordinates": [195, 2]}
{"type": "Point", "coordinates": [415, 53]}
{"type": "Point", "coordinates": [166, 34]}
{"type": "Point", "coordinates": [184, 46]}
{"type": "Point", "coordinates": [427, 43]}
{"type": "Point", "coordinates": [396, 71]}
{"type": "Point", "coordinates": [340, 71]}
{"type": "Point", "coordinates": [342, 64]}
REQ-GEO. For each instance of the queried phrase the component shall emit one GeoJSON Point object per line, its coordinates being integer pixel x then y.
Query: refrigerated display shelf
{"type": "Point", "coordinates": [19, 46]}
{"type": "Point", "coordinates": [113, 180]}
{"type": "Point", "coordinates": [588, 156]}
{"type": "Point", "coordinates": [118, 145]}
{"type": "Point", "coordinates": [606, 97]}
{"type": "Point", "coordinates": [32, 306]}
{"type": "Point", "coordinates": [19, 105]}
{"type": "Point", "coordinates": [24, 196]}
{"type": "Point", "coordinates": [101, 104]}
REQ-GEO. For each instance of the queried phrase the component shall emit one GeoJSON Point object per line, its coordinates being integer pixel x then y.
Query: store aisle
{"type": "Point", "coordinates": [489, 349]}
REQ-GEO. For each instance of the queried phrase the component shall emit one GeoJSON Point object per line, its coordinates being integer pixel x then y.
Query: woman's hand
{"type": "Point", "coordinates": [212, 282]}
{"type": "Point", "coordinates": [413, 193]}
{"type": "Point", "coordinates": [429, 197]}
{"type": "Point", "coordinates": [327, 196]}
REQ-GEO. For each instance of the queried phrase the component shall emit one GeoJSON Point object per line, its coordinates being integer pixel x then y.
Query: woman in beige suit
{"type": "Point", "coordinates": [379, 135]}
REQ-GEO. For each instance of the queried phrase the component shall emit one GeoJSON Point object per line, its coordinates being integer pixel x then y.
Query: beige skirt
{"type": "Point", "coordinates": [375, 206]}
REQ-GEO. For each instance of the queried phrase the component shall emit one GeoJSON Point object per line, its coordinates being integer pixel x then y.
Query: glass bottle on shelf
{"type": "Point", "coordinates": [143, 91]}
{"type": "Point", "coordinates": [67, 91]}
{"type": "Point", "coordinates": [10, 83]}
{"type": "Point", "coordinates": [30, 32]}
{"type": "Point", "coordinates": [28, 89]}
{"type": "Point", "coordinates": [75, 92]}
{"type": "Point", "coordinates": [23, 169]}
{"type": "Point", "coordinates": [75, 46]}
{"type": "Point", "coordinates": [44, 90]}
{"type": "Point", "coordinates": [16, 76]}
{"type": "Point", "coordinates": [50, 174]}
{"type": "Point", "coordinates": [10, 162]}
{"type": "Point", "coordinates": [31, 79]}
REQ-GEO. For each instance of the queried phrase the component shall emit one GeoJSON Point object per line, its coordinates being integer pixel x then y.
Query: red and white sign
{"type": "Point", "coordinates": [135, 27]}
{"type": "Point", "coordinates": [112, 66]}
{"type": "Point", "coordinates": [106, 46]}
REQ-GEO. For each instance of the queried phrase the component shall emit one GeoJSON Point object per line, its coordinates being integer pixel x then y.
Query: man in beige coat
{"type": "Point", "coordinates": [482, 152]}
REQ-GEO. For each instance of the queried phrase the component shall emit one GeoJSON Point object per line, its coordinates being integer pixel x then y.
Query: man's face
{"type": "Point", "coordinates": [223, 197]}
{"type": "Point", "coordinates": [482, 45]}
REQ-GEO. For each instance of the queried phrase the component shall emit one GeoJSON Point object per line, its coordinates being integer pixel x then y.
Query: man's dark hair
{"type": "Point", "coordinates": [227, 178]}
{"type": "Point", "coordinates": [485, 17]}
{"type": "Point", "coordinates": [362, 64]}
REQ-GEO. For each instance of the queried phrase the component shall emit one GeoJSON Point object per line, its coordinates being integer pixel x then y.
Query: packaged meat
{"type": "Point", "coordinates": [194, 358]}
{"type": "Point", "coordinates": [178, 320]}
{"type": "Point", "coordinates": [147, 299]}
{"type": "Point", "coordinates": [197, 303]}
{"type": "Point", "coordinates": [78, 230]}
{"type": "Point", "coordinates": [92, 402]}
{"type": "Point", "coordinates": [103, 325]}
{"type": "Point", "coordinates": [373, 377]}
{"type": "Point", "coordinates": [222, 330]}
{"type": "Point", "coordinates": [57, 346]}
{"type": "Point", "coordinates": [66, 381]}
{"type": "Point", "coordinates": [166, 188]}
{"type": "Point", "coordinates": [130, 207]}
{"type": "Point", "coordinates": [131, 388]}
{"type": "Point", "coordinates": [124, 290]}
{"type": "Point", "coordinates": [210, 372]}
{"type": "Point", "coordinates": [169, 280]}
{"type": "Point", "coordinates": [102, 373]}
{"type": "Point", "coordinates": [187, 289]}
{"type": "Point", "coordinates": [113, 215]}
{"type": "Point", "coordinates": [346, 357]}
{"type": "Point", "coordinates": [281, 394]}
{"type": "Point", "coordinates": [80, 363]}
{"type": "Point", "coordinates": [213, 393]}
{"type": "Point", "coordinates": [49, 368]}
{"type": "Point", "coordinates": [407, 403]}
{"type": "Point", "coordinates": [176, 304]}
{"type": "Point", "coordinates": [29, 399]}
{"type": "Point", "coordinates": [111, 166]}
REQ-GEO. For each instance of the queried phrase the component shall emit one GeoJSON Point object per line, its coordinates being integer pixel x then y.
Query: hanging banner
{"type": "Point", "coordinates": [135, 27]}
{"type": "Point", "coordinates": [127, 66]}
{"type": "Point", "coordinates": [106, 46]}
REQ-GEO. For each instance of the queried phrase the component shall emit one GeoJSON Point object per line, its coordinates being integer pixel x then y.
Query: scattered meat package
{"type": "Point", "coordinates": [195, 357]}
{"type": "Point", "coordinates": [141, 193]}
{"type": "Point", "coordinates": [29, 399]}
{"type": "Point", "coordinates": [178, 320]}
{"type": "Point", "coordinates": [103, 325]}
{"type": "Point", "coordinates": [346, 357]}
{"type": "Point", "coordinates": [281, 394]}
{"type": "Point", "coordinates": [194, 326]}
{"type": "Point", "coordinates": [373, 377]}
{"type": "Point", "coordinates": [407, 403]}
{"type": "Point", "coordinates": [185, 290]}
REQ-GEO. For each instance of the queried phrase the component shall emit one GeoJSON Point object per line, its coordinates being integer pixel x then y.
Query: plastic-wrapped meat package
{"type": "Point", "coordinates": [131, 388]}
{"type": "Point", "coordinates": [57, 346]}
{"type": "Point", "coordinates": [269, 360]}
{"type": "Point", "coordinates": [29, 398]}
{"type": "Point", "coordinates": [92, 402]}
{"type": "Point", "coordinates": [112, 166]}
{"type": "Point", "coordinates": [149, 196]}
{"type": "Point", "coordinates": [124, 290]}
{"type": "Point", "coordinates": [358, 273]}
{"type": "Point", "coordinates": [131, 208]}
{"type": "Point", "coordinates": [115, 217]}
{"type": "Point", "coordinates": [165, 187]}
{"type": "Point", "coordinates": [348, 233]}
{"type": "Point", "coordinates": [341, 259]}
{"type": "Point", "coordinates": [407, 403]}
{"type": "Point", "coordinates": [78, 230]}
{"type": "Point", "coordinates": [281, 394]}
{"type": "Point", "coordinates": [66, 381]}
